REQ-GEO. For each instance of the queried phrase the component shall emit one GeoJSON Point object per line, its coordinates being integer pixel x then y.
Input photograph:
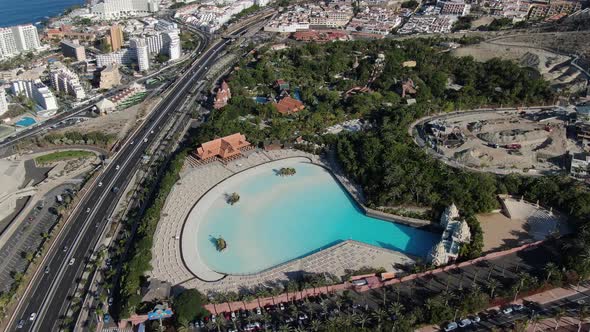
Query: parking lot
{"type": "Point", "coordinates": [25, 242]}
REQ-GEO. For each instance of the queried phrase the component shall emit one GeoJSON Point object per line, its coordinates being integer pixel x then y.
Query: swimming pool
{"type": "Point", "coordinates": [25, 122]}
{"type": "Point", "coordinates": [278, 219]}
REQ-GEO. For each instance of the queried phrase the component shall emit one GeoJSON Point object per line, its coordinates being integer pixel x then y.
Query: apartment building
{"type": "Point", "coordinates": [64, 80]}
{"type": "Point", "coordinates": [36, 91]}
{"type": "Point", "coordinates": [72, 49]}
{"type": "Point", "coordinates": [3, 102]}
{"type": "Point", "coordinates": [107, 9]}
{"type": "Point", "coordinates": [17, 39]}
{"type": "Point", "coordinates": [140, 48]}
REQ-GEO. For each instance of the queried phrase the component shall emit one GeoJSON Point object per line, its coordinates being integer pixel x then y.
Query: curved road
{"type": "Point", "coordinates": [48, 292]}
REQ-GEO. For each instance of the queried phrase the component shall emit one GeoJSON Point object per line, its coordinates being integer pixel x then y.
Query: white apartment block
{"type": "Point", "coordinates": [3, 102]}
{"type": "Point", "coordinates": [140, 48]}
{"type": "Point", "coordinates": [172, 43]}
{"type": "Point", "coordinates": [38, 92]}
{"type": "Point", "coordinates": [121, 57]}
{"type": "Point", "coordinates": [65, 80]}
{"type": "Point", "coordinates": [167, 42]}
{"type": "Point", "coordinates": [17, 39]}
{"type": "Point", "coordinates": [123, 8]}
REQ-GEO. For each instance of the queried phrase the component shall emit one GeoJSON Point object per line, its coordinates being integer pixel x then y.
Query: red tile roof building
{"type": "Point", "coordinates": [222, 97]}
{"type": "Point", "coordinates": [223, 148]}
{"type": "Point", "coordinates": [289, 105]}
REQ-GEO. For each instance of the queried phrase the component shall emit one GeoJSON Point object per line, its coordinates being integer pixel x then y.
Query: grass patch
{"type": "Point", "coordinates": [63, 155]}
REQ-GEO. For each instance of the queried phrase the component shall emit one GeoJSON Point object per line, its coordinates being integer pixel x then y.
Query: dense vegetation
{"type": "Point", "coordinates": [63, 155]}
{"type": "Point", "coordinates": [74, 137]}
{"type": "Point", "coordinates": [141, 253]}
{"type": "Point", "coordinates": [392, 170]}
{"type": "Point", "coordinates": [323, 73]}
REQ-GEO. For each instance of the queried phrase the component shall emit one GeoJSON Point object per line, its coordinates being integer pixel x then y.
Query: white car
{"type": "Point", "coordinates": [88, 210]}
{"type": "Point", "coordinates": [507, 311]}
{"type": "Point", "coordinates": [117, 167]}
{"type": "Point", "coordinates": [72, 261]}
{"type": "Point", "coordinates": [451, 326]}
{"type": "Point", "coordinates": [33, 316]}
{"type": "Point", "coordinates": [258, 311]}
{"type": "Point", "coordinates": [464, 322]}
{"type": "Point", "coordinates": [100, 184]}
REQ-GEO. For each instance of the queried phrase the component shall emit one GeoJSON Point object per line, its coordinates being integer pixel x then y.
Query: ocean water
{"type": "Point", "coordinates": [282, 218]}
{"type": "Point", "coordinates": [31, 11]}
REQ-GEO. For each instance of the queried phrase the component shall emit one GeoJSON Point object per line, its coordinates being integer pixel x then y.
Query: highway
{"type": "Point", "coordinates": [47, 294]}
{"type": "Point", "coordinates": [6, 143]}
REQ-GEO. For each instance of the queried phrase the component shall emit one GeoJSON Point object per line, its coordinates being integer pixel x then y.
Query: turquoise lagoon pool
{"type": "Point", "coordinates": [279, 219]}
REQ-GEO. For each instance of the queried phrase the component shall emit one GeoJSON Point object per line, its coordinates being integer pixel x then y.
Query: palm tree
{"type": "Point", "coordinates": [361, 318]}
{"type": "Point", "coordinates": [558, 315]}
{"type": "Point", "coordinates": [550, 269]}
{"type": "Point", "coordinates": [380, 316]}
{"type": "Point", "coordinates": [315, 325]}
{"type": "Point", "coordinates": [285, 328]}
{"type": "Point", "coordinates": [493, 284]}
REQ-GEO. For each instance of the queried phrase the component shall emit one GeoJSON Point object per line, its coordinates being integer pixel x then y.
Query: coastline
{"type": "Point", "coordinates": [43, 11]}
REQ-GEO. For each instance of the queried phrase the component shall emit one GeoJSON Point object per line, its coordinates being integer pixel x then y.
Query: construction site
{"type": "Point", "coordinates": [530, 141]}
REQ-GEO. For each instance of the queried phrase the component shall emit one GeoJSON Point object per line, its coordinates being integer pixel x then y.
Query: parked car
{"type": "Point", "coordinates": [518, 307]}
{"type": "Point", "coordinates": [507, 311]}
{"type": "Point", "coordinates": [464, 322]}
{"type": "Point", "coordinates": [451, 326]}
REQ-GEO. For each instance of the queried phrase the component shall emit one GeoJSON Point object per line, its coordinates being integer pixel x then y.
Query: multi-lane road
{"type": "Point", "coordinates": [47, 294]}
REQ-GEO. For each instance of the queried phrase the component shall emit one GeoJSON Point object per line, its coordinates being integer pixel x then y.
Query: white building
{"type": "Point", "coordinates": [7, 43]}
{"type": "Point", "coordinates": [122, 8]}
{"type": "Point", "coordinates": [122, 57]}
{"type": "Point", "coordinates": [3, 102]}
{"type": "Point", "coordinates": [17, 39]}
{"type": "Point", "coordinates": [38, 92]}
{"type": "Point", "coordinates": [65, 80]}
{"type": "Point", "coordinates": [164, 25]}
{"type": "Point", "coordinates": [580, 165]}
{"type": "Point", "coordinates": [456, 232]}
{"type": "Point", "coordinates": [172, 44]}
{"type": "Point", "coordinates": [167, 42]}
{"type": "Point", "coordinates": [140, 48]}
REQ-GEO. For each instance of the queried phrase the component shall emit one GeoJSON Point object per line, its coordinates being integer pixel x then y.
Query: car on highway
{"type": "Point", "coordinates": [100, 184]}
{"type": "Point", "coordinates": [72, 261]}
{"type": "Point", "coordinates": [65, 248]}
{"type": "Point", "coordinates": [131, 143]}
{"type": "Point", "coordinates": [117, 168]}
{"type": "Point", "coordinates": [145, 140]}
{"type": "Point", "coordinates": [20, 324]}
{"type": "Point", "coordinates": [115, 190]}
{"type": "Point", "coordinates": [33, 316]}
{"type": "Point", "coordinates": [47, 269]}
{"type": "Point", "coordinates": [451, 326]}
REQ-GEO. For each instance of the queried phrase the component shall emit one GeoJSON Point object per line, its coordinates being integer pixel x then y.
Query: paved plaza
{"type": "Point", "coordinates": [520, 222]}
{"type": "Point", "coordinates": [194, 183]}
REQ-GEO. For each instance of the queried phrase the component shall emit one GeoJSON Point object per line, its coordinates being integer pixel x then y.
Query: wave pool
{"type": "Point", "coordinates": [278, 219]}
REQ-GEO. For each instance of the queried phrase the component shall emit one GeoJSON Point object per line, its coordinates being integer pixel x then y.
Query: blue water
{"type": "Point", "coordinates": [261, 100]}
{"type": "Point", "coordinates": [297, 94]}
{"type": "Point", "coordinates": [32, 11]}
{"type": "Point", "coordinates": [282, 218]}
{"type": "Point", "coordinates": [25, 122]}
